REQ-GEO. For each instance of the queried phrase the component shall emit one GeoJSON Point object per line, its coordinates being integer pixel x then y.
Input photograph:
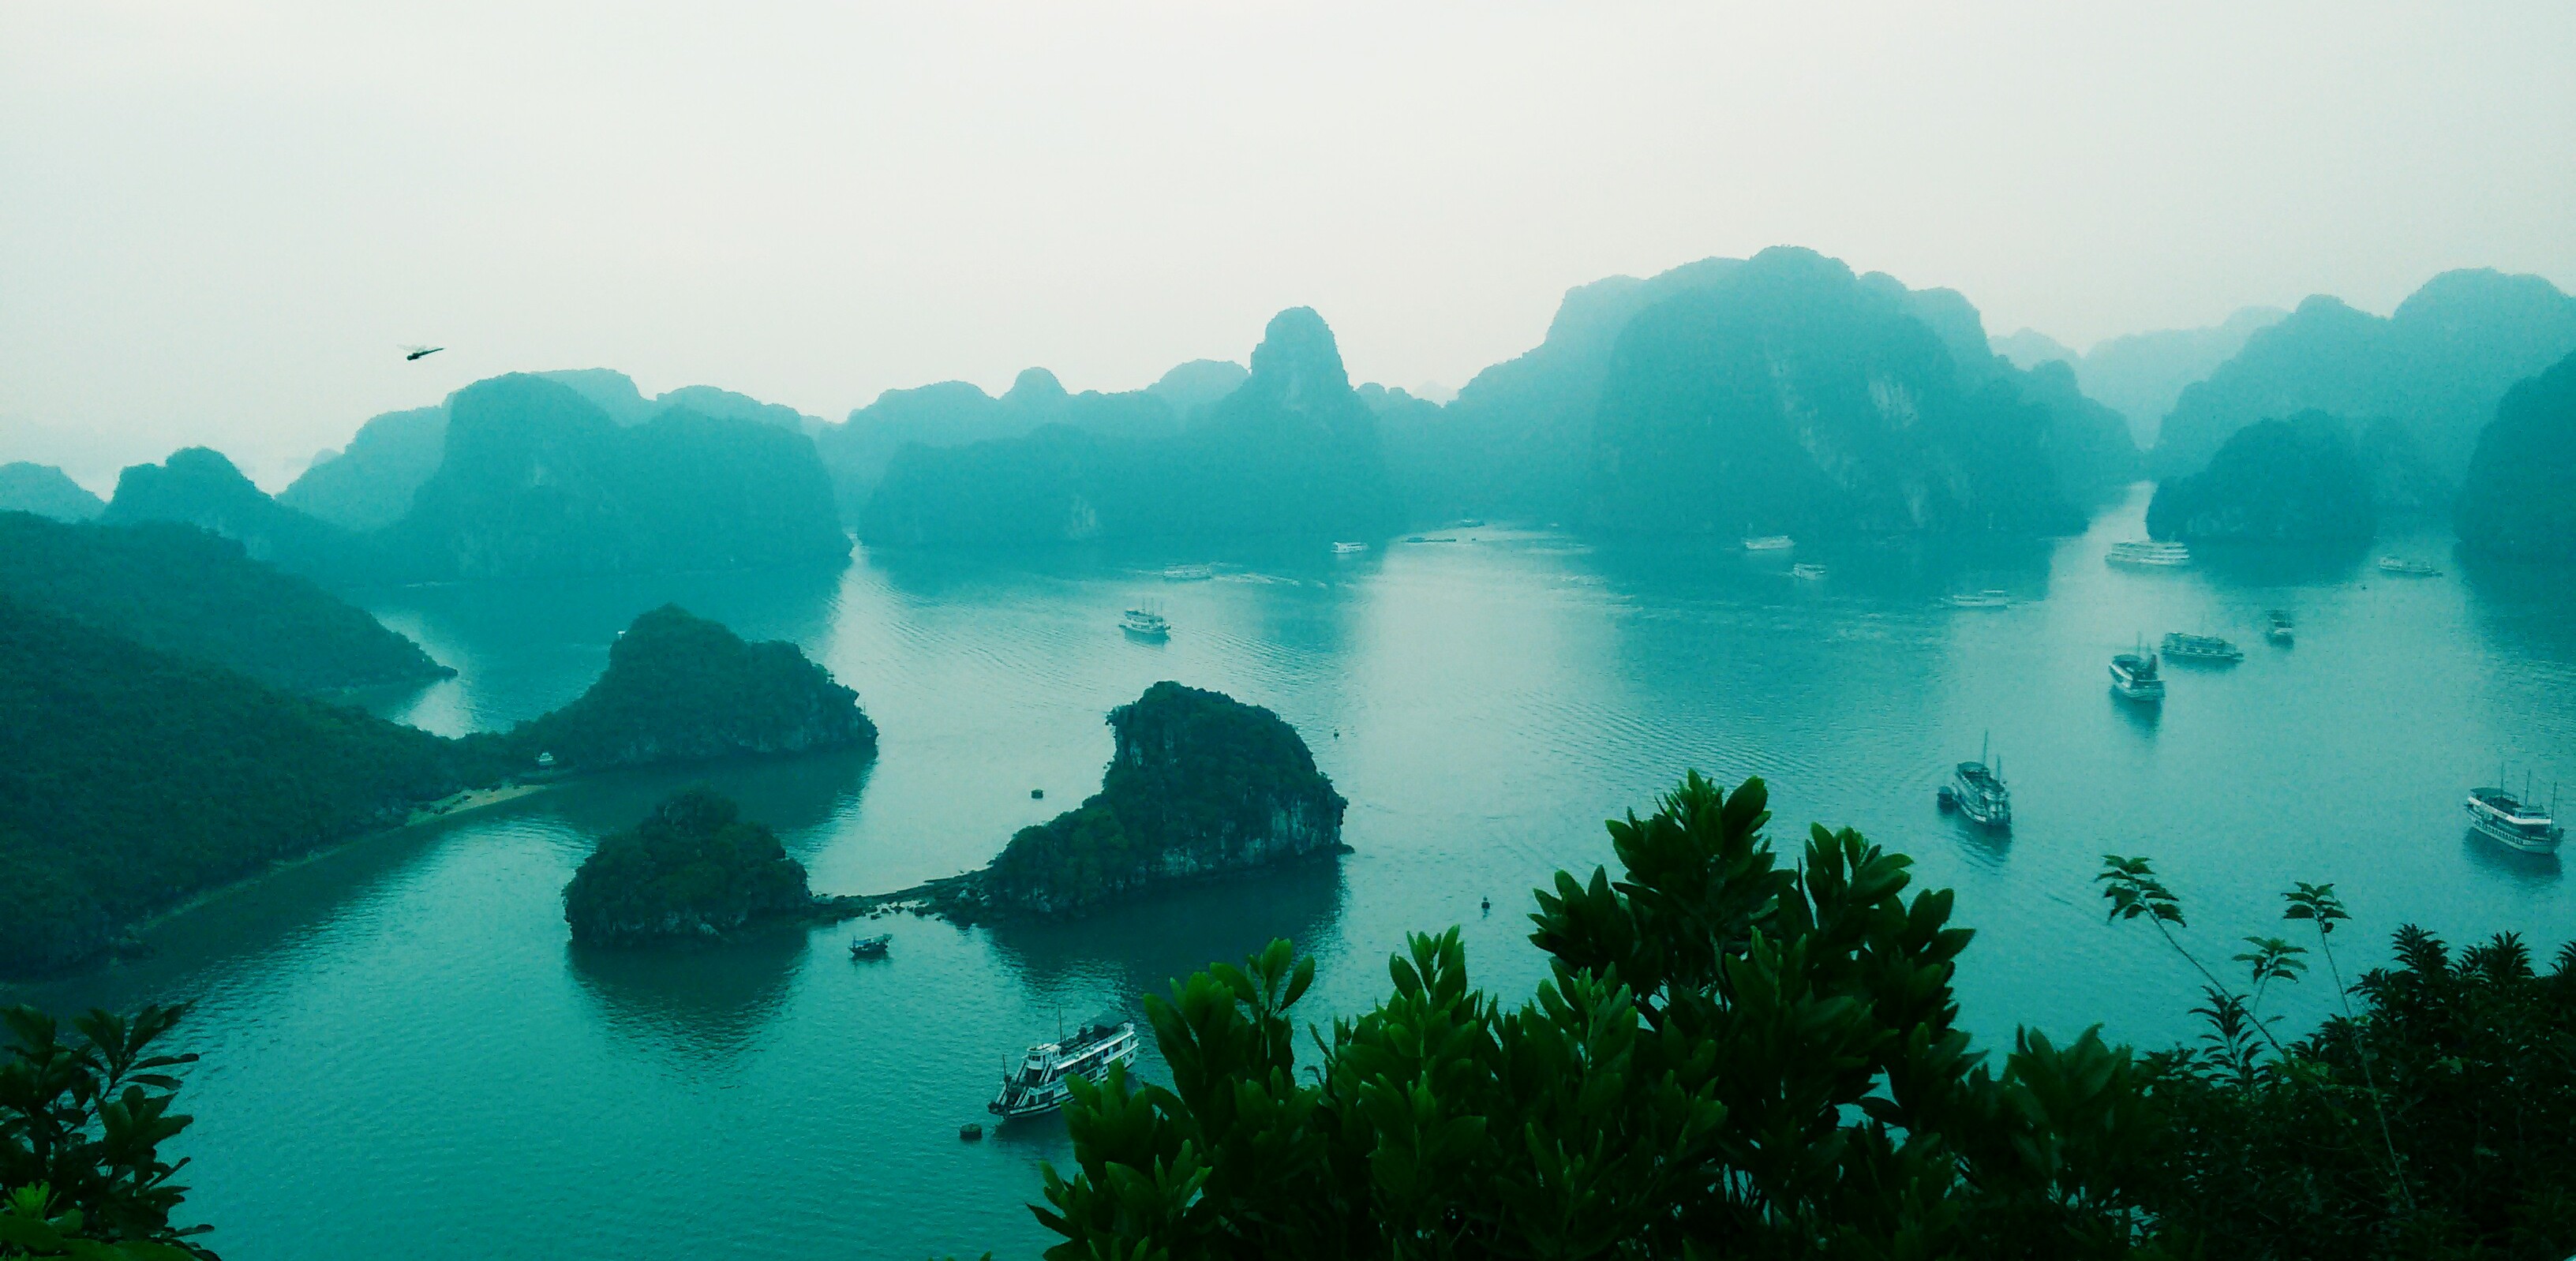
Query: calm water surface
{"type": "Point", "coordinates": [403, 1053]}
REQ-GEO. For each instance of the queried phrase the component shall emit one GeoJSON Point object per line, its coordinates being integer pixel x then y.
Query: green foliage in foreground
{"type": "Point", "coordinates": [82, 1120]}
{"type": "Point", "coordinates": [1735, 1058]}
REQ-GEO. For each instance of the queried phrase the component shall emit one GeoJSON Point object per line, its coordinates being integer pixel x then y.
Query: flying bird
{"type": "Point", "coordinates": [418, 351]}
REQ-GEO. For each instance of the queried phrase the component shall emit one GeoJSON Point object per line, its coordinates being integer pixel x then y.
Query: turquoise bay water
{"type": "Point", "coordinates": [404, 1055]}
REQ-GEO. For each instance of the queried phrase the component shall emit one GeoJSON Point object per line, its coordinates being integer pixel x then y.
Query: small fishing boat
{"type": "Point", "coordinates": [1145, 624]}
{"type": "Point", "coordinates": [2278, 628]}
{"type": "Point", "coordinates": [1037, 1083]}
{"type": "Point", "coordinates": [2513, 820]}
{"type": "Point", "coordinates": [2148, 554]}
{"type": "Point", "coordinates": [2209, 649]}
{"type": "Point", "coordinates": [2134, 677]}
{"type": "Point", "coordinates": [871, 947]}
{"type": "Point", "coordinates": [2408, 568]}
{"type": "Point", "coordinates": [1808, 570]}
{"type": "Point", "coordinates": [1986, 599]}
{"type": "Point", "coordinates": [1346, 549]}
{"type": "Point", "coordinates": [1976, 789]}
{"type": "Point", "coordinates": [1770, 543]}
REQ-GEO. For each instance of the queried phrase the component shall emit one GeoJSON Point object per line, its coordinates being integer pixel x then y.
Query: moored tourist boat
{"type": "Point", "coordinates": [2204, 648]}
{"type": "Point", "coordinates": [2148, 554]}
{"type": "Point", "coordinates": [2515, 821]}
{"type": "Point", "coordinates": [870, 947]}
{"type": "Point", "coordinates": [1986, 599]}
{"type": "Point", "coordinates": [1145, 624]}
{"type": "Point", "coordinates": [1037, 1083]}
{"type": "Point", "coordinates": [2408, 568]}
{"type": "Point", "coordinates": [1770, 543]}
{"type": "Point", "coordinates": [2134, 677]}
{"type": "Point", "coordinates": [1976, 789]}
{"type": "Point", "coordinates": [2278, 628]}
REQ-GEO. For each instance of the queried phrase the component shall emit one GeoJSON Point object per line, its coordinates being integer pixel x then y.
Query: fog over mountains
{"type": "Point", "coordinates": [1785, 393]}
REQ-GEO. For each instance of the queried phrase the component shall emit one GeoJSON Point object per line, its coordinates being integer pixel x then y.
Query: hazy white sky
{"type": "Point", "coordinates": [220, 221]}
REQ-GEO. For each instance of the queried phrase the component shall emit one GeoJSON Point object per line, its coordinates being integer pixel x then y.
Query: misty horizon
{"type": "Point", "coordinates": [229, 225]}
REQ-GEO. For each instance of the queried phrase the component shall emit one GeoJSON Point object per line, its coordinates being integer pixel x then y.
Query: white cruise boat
{"type": "Point", "coordinates": [1187, 573]}
{"type": "Point", "coordinates": [2148, 554]}
{"type": "Point", "coordinates": [1145, 624]}
{"type": "Point", "coordinates": [1037, 1083]}
{"type": "Point", "coordinates": [2205, 648]}
{"type": "Point", "coordinates": [1345, 549]}
{"type": "Point", "coordinates": [1986, 599]}
{"type": "Point", "coordinates": [2409, 568]}
{"type": "Point", "coordinates": [1770, 543]}
{"type": "Point", "coordinates": [1807, 569]}
{"type": "Point", "coordinates": [2513, 821]}
{"type": "Point", "coordinates": [1976, 789]}
{"type": "Point", "coordinates": [2134, 677]}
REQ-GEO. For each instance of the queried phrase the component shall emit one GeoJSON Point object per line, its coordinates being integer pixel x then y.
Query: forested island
{"type": "Point", "coordinates": [193, 594]}
{"type": "Point", "coordinates": [132, 777]}
{"type": "Point", "coordinates": [693, 868]}
{"type": "Point", "coordinates": [682, 688]}
{"type": "Point", "coordinates": [2520, 495]}
{"type": "Point", "coordinates": [1199, 783]}
{"type": "Point", "coordinates": [2275, 481]}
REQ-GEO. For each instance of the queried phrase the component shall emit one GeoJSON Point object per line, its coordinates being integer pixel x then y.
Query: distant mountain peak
{"type": "Point", "coordinates": [1298, 362]}
{"type": "Point", "coordinates": [1035, 387]}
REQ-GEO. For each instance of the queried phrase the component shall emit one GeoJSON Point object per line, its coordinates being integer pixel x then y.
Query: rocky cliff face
{"type": "Point", "coordinates": [1791, 396]}
{"type": "Point", "coordinates": [1199, 784]}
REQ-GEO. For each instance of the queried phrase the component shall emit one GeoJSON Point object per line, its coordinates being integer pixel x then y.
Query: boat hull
{"type": "Point", "coordinates": [2534, 836]}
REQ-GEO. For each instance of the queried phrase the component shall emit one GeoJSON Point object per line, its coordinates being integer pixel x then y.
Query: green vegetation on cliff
{"type": "Point", "coordinates": [130, 778]}
{"type": "Point", "coordinates": [1739, 1056]}
{"type": "Point", "coordinates": [1791, 396]}
{"type": "Point", "coordinates": [681, 688]}
{"type": "Point", "coordinates": [83, 1114]}
{"type": "Point", "coordinates": [2275, 481]}
{"type": "Point", "coordinates": [184, 591]}
{"type": "Point", "coordinates": [2520, 495]}
{"type": "Point", "coordinates": [1199, 783]}
{"type": "Point", "coordinates": [693, 867]}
